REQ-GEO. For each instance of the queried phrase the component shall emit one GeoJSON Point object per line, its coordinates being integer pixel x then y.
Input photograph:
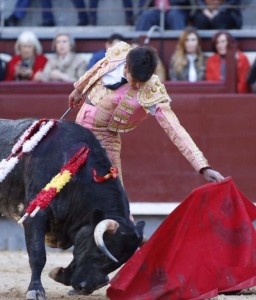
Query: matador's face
{"type": "Point", "coordinates": [135, 84]}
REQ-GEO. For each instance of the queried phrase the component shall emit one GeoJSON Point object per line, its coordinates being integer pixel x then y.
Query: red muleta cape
{"type": "Point", "coordinates": [206, 246]}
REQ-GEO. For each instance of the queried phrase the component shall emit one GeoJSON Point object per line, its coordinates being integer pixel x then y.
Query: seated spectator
{"type": "Point", "coordinates": [21, 8]}
{"type": "Point", "coordinates": [218, 14]}
{"type": "Point", "coordinates": [127, 4]}
{"type": "Point", "coordinates": [98, 55]}
{"type": "Point", "coordinates": [252, 77]}
{"type": "Point", "coordinates": [83, 18]}
{"type": "Point", "coordinates": [188, 61]}
{"type": "Point", "coordinates": [64, 65]}
{"type": "Point", "coordinates": [28, 61]}
{"type": "Point", "coordinates": [175, 18]}
{"type": "Point", "coordinates": [3, 65]}
{"type": "Point", "coordinates": [216, 67]}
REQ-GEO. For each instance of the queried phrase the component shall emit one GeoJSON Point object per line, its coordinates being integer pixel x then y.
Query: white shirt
{"type": "Point", "coordinates": [114, 75]}
{"type": "Point", "coordinates": [192, 75]}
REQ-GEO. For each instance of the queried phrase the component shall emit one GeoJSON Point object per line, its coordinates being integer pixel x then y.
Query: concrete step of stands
{"type": "Point", "coordinates": [98, 32]}
{"type": "Point", "coordinates": [103, 32]}
{"type": "Point", "coordinates": [12, 236]}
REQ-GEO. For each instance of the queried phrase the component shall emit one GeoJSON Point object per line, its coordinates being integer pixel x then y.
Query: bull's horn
{"type": "Point", "coordinates": [109, 226]}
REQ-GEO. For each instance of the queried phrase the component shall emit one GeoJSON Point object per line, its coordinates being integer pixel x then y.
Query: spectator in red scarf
{"type": "Point", "coordinates": [28, 61]}
{"type": "Point", "coordinates": [216, 64]}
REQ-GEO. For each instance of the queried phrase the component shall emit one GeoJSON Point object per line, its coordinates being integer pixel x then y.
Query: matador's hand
{"type": "Point", "coordinates": [75, 98]}
{"type": "Point", "coordinates": [212, 175]}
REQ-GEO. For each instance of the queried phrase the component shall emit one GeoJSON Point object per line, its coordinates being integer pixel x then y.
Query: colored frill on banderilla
{"type": "Point", "coordinates": [26, 143]}
{"type": "Point", "coordinates": [47, 194]}
{"type": "Point", "coordinates": [113, 173]}
{"type": "Point", "coordinates": [205, 247]}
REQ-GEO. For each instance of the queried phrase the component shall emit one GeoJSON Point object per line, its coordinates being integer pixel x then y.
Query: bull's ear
{"type": "Point", "coordinates": [140, 227]}
{"type": "Point", "coordinates": [97, 216]}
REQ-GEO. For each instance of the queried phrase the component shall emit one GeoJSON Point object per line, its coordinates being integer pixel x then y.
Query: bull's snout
{"type": "Point", "coordinates": [85, 288]}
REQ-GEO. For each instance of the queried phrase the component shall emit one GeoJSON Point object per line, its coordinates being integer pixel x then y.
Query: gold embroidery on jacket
{"type": "Point", "coordinates": [152, 92]}
{"type": "Point", "coordinates": [97, 92]}
{"type": "Point", "coordinates": [121, 118]}
{"type": "Point", "coordinates": [121, 127]}
{"type": "Point", "coordinates": [124, 105]}
{"type": "Point", "coordinates": [118, 51]}
{"type": "Point", "coordinates": [125, 108]}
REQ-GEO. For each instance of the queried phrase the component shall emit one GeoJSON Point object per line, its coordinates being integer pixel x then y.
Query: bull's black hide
{"type": "Point", "coordinates": [71, 218]}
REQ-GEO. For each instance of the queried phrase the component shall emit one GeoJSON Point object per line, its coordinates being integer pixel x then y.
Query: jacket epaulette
{"type": "Point", "coordinates": [118, 52]}
{"type": "Point", "coordinates": [152, 92]}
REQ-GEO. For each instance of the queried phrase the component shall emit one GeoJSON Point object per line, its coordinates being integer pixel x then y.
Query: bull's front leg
{"type": "Point", "coordinates": [35, 241]}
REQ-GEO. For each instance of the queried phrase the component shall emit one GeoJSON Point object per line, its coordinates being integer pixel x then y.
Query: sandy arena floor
{"type": "Point", "coordinates": [15, 275]}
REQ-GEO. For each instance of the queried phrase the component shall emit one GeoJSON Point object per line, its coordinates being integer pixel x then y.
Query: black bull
{"type": "Point", "coordinates": [73, 215]}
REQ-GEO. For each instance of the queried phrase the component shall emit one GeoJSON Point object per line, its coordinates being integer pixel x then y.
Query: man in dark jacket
{"type": "Point", "coordinates": [98, 55]}
{"type": "Point", "coordinates": [2, 69]}
{"type": "Point", "coordinates": [218, 14]}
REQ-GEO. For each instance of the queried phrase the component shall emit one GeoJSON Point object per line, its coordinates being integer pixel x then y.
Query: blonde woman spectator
{"type": "Point", "coordinates": [216, 67]}
{"type": "Point", "coordinates": [64, 65]}
{"type": "Point", "coordinates": [188, 60]}
{"type": "Point", "coordinates": [28, 61]}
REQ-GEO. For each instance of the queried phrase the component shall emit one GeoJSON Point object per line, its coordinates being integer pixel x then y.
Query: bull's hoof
{"type": "Point", "coordinates": [73, 292]}
{"type": "Point", "coordinates": [35, 295]}
{"type": "Point", "coordinates": [83, 289]}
